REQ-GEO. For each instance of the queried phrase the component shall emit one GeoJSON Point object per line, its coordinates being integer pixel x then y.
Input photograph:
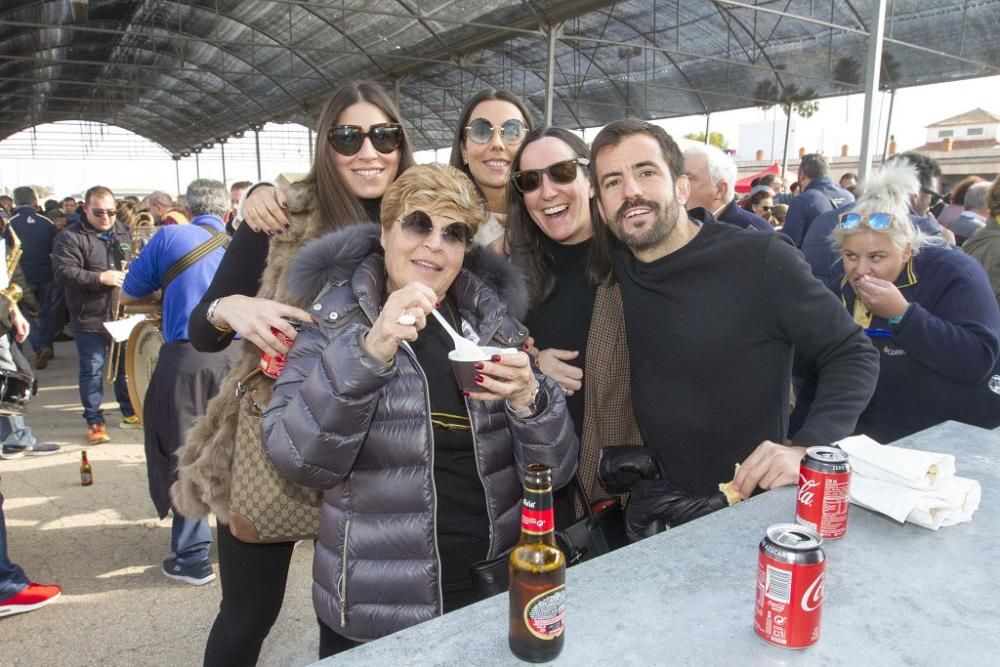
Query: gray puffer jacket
{"type": "Point", "coordinates": [345, 422]}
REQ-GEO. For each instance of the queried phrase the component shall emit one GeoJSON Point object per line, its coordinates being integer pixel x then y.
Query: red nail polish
{"type": "Point", "coordinates": [478, 366]}
{"type": "Point", "coordinates": [465, 393]}
{"type": "Point", "coordinates": [479, 379]}
{"type": "Point", "coordinates": [437, 305]}
{"type": "Point", "coordinates": [524, 346]}
{"type": "Point", "coordinates": [495, 358]}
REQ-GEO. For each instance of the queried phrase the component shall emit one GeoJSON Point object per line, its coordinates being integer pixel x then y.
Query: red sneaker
{"type": "Point", "coordinates": [34, 596]}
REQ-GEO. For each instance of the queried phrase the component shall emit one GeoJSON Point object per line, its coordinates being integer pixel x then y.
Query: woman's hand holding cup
{"type": "Point", "coordinates": [506, 376]}
{"type": "Point", "coordinates": [403, 316]}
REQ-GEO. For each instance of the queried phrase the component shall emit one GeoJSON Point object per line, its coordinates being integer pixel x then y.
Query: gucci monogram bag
{"type": "Point", "coordinates": [264, 506]}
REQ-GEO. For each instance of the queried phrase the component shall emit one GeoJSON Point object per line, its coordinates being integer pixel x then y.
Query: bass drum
{"type": "Point", "coordinates": [141, 354]}
{"type": "Point", "coordinates": [16, 390]}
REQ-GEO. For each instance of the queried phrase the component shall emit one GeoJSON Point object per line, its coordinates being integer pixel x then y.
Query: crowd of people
{"type": "Point", "coordinates": [644, 303]}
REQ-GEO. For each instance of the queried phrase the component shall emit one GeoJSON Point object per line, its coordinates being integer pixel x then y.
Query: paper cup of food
{"type": "Point", "coordinates": [464, 366]}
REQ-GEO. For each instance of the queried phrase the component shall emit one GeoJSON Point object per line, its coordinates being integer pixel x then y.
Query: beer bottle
{"type": "Point", "coordinates": [86, 474]}
{"type": "Point", "coordinates": [537, 575]}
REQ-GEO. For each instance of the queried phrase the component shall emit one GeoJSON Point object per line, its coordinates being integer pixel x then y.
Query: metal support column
{"type": "Point", "coordinates": [177, 172]}
{"type": "Point", "coordinates": [552, 34]}
{"type": "Point", "coordinates": [876, 32]}
{"type": "Point", "coordinates": [708, 120]}
{"type": "Point", "coordinates": [197, 165]}
{"type": "Point", "coordinates": [309, 130]}
{"type": "Point", "coordinates": [256, 142]}
{"type": "Point", "coordinates": [222, 147]}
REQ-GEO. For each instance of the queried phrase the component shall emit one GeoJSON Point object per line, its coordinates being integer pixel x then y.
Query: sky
{"type": "Point", "coordinates": [48, 155]}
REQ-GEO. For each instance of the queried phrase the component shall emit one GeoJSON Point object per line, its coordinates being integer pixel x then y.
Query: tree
{"type": "Point", "coordinates": [714, 138]}
{"type": "Point", "coordinates": [789, 98]}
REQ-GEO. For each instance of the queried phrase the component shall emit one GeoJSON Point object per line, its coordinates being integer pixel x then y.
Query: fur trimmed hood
{"type": "Point", "coordinates": [334, 258]}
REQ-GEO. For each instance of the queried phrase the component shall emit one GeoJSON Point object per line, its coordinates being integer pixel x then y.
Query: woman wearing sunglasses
{"type": "Point", "coordinates": [420, 481]}
{"type": "Point", "coordinates": [928, 309]}
{"type": "Point", "coordinates": [576, 312]}
{"type": "Point", "coordinates": [761, 204]}
{"type": "Point", "coordinates": [490, 130]}
{"type": "Point", "coordinates": [360, 149]}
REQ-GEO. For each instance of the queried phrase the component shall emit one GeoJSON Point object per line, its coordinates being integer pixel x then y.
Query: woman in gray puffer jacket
{"type": "Point", "coordinates": [420, 481]}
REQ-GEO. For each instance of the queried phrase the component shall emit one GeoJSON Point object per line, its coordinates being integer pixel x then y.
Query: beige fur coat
{"type": "Point", "coordinates": [205, 460]}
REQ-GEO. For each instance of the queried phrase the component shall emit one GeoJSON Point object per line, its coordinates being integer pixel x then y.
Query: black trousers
{"type": "Point", "coordinates": [253, 588]}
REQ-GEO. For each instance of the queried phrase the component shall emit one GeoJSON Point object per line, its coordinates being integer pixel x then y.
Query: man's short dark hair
{"type": "Point", "coordinates": [240, 185]}
{"type": "Point", "coordinates": [207, 197]}
{"type": "Point", "coordinates": [25, 196]}
{"type": "Point", "coordinates": [769, 180]}
{"type": "Point", "coordinates": [68, 199]}
{"type": "Point", "coordinates": [615, 131]}
{"type": "Point", "coordinates": [927, 168]}
{"type": "Point", "coordinates": [98, 190]}
{"type": "Point", "coordinates": [814, 165]}
{"type": "Point", "coordinates": [848, 174]}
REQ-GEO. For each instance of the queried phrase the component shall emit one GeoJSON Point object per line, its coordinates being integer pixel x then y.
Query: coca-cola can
{"type": "Point", "coordinates": [824, 491]}
{"type": "Point", "coordinates": [791, 569]}
{"type": "Point", "coordinates": [272, 366]}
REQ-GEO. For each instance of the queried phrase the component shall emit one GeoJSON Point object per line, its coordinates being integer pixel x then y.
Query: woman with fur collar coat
{"type": "Point", "coordinates": [420, 481]}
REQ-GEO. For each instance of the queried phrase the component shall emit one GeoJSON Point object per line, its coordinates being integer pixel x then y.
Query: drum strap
{"type": "Point", "coordinates": [217, 240]}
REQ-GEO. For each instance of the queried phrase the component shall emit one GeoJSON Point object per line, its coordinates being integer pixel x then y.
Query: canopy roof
{"type": "Point", "coordinates": [185, 73]}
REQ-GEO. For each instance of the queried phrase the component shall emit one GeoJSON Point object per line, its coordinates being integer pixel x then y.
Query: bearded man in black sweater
{"type": "Point", "coordinates": [713, 315]}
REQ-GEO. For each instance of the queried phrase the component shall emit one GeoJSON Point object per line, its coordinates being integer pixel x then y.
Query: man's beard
{"type": "Point", "coordinates": [656, 233]}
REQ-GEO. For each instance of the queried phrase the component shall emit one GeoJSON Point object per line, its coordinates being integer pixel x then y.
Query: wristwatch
{"type": "Point", "coordinates": [532, 408]}
{"type": "Point", "coordinates": [210, 316]}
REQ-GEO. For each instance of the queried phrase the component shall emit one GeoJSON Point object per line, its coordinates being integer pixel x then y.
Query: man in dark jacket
{"type": "Point", "coordinates": [712, 317]}
{"type": "Point", "coordinates": [89, 261]}
{"type": "Point", "coordinates": [713, 175]}
{"type": "Point", "coordinates": [819, 194]}
{"type": "Point", "coordinates": [35, 233]}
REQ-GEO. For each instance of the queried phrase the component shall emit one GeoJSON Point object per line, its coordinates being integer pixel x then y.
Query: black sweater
{"type": "Point", "coordinates": [711, 330]}
{"type": "Point", "coordinates": [563, 320]}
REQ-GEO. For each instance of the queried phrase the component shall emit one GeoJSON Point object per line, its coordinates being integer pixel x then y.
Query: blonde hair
{"type": "Point", "coordinates": [888, 189]}
{"type": "Point", "coordinates": [434, 188]}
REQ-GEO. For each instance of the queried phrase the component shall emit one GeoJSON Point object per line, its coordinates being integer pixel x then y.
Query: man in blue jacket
{"type": "Point", "coordinates": [181, 260]}
{"type": "Point", "coordinates": [35, 233]}
{"type": "Point", "coordinates": [819, 195]}
{"type": "Point", "coordinates": [713, 175]}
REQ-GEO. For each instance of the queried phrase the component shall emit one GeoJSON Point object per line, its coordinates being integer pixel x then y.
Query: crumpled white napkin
{"type": "Point", "coordinates": [904, 467]}
{"type": "Point", "coordinates": [951, 501]}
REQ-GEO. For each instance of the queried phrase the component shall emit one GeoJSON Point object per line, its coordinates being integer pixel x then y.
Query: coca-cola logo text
{"type": "Point", "coordinates": [813, 597]}
{"type": "Point", "coordinates": [806, 493]}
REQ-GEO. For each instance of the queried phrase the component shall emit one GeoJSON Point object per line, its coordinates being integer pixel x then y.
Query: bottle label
{"type": "Point", "coordinates": [545, 614]}
{"type": "Point", "coordinates": [537, 515]}
{"type": "Point", "coordinates": [86, 478]}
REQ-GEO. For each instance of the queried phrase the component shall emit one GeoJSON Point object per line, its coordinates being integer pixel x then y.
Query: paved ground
{"type": "Point", "coordinates": [103, 544]}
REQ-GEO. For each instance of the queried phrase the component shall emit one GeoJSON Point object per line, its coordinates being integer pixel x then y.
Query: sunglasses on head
{"type": "Point", "coordinates": [348, 139]}
{"type": "Point", "coordinates": [418, 225]}
{"type": "Point", "coordinates": [481, 130]}
{"type": "Point", "coordinates": [875, 221]}
{"type": "Point", "coordinates": [563, 172]}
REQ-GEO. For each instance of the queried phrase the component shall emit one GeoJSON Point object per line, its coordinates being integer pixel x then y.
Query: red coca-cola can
{"type": "Point", "coordinates": [272, 366]}
{"type": "Point", "coordinates": [791, 570]}
{"type": "Point", "coordinates": [824, 491]}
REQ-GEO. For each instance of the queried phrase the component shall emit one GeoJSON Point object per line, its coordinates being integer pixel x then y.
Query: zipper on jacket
{"type": "Point", "coordinates": [430, 435]}
{"type": "Point", "coordinates": [479, 472]}
{"type": "Point", "coordinates": [342, 582]}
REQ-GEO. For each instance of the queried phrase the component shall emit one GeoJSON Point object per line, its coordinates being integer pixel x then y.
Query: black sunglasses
{"type": "Point", "coordinates": [563, 172]}
{"type": "Point", "coordinates": [935, 196]}
{"type": "Point", "coordinates": [419, 226]}
{"type": "Point", "coordinates": [481, 130]}
{"type": "Point", "coordinates": [765, 208]}
{"type": "Point", "coordinates": [348, 139]}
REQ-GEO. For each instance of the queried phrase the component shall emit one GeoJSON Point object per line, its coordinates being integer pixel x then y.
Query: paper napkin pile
{"type": "Point", "coordinates": [909, 484]}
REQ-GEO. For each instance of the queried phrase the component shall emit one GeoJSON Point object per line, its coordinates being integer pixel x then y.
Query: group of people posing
{"type": "Point", "coordinates": [643, 310]}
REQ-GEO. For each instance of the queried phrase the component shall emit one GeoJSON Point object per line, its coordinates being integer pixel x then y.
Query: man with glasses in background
{"type": "Point", "coordinates": [89, 261]}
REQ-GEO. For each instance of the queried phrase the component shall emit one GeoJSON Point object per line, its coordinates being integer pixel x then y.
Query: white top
{"type": "Point", "coordinates": [492, 229]}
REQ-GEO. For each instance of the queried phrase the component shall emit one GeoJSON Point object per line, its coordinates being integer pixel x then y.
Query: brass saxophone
{"type": "Point", "coordinates": [13, 292]}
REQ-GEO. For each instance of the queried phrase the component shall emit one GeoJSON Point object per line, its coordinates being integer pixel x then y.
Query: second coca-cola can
{"type": "Point", "coordinates": [824, 491]}
{"type": "Point", "coordinates": [791, 571]}
{"type": "Point", "coordinates": [272, 366]}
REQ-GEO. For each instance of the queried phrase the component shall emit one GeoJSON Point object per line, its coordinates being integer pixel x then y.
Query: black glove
{"type": "Point", "coordinates": [658, 502]}
{"type": "Point", "coordinates": [620, 467]}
